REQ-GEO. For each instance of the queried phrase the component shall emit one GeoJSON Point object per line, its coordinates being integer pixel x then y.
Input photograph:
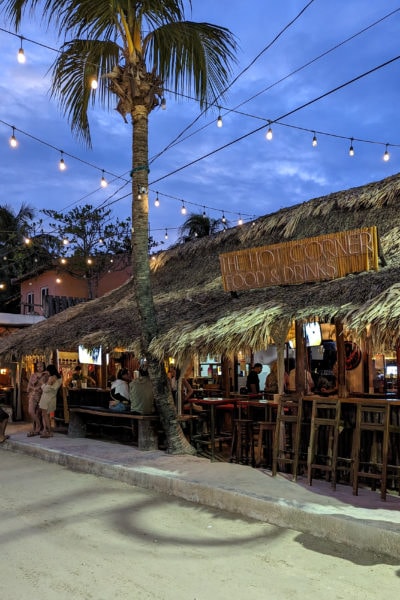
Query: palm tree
{"type": "Point", "coordinates": [198, 226]}
{"type": "Point", "coordinates": [135, 49]}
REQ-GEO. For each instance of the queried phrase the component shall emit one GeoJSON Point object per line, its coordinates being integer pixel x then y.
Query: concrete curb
{"type": "Point", "coordinates": [233, 488]}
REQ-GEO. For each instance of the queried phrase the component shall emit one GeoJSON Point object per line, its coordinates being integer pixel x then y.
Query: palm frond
{"type": "Point", "coordinates": [78, 62]}
{"type": "Point", "coordinates": [192, 58]}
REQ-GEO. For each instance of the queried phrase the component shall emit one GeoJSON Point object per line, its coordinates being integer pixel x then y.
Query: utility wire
{"type": "Point", "coordinates": [174, 141]}
{"type": "Point", "coordinates": [301, 68]}
{"type": "Point", "coordinates": [271, 121]}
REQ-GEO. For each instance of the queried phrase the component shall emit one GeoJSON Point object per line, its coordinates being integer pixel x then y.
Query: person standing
{"type": "Point", "coordinates": [34, 390]}
{"type": "Point", "coordinates": [253, 381]}
{"type": "Point", "coordinates": [48, 399]}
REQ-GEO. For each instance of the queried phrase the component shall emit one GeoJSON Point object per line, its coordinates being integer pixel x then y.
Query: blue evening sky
{"type": "Point", "coordinates": [247, 178]}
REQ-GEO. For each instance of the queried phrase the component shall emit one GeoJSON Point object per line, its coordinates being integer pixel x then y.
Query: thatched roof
{"type": "Point", "coordinates": [196, 314]}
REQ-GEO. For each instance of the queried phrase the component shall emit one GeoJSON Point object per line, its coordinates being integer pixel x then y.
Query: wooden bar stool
{"type": "Point", "coordinates": [371, 445]}
{"type": "Point", "coordinates": [393, 467]}
{"type": "Point", "coordinates": [286, 445]}
{"type": "Point", "coordinates": [265, 433]}
{"type": "Point", "coordinates": [242, 449]}
{"type": "Point", "coordinates": [324, 437]}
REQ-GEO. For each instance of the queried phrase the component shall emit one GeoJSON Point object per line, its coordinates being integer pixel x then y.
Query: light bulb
{"type": "Point", "coordinates": [65, 241]}
{"type": "Point", "coordinates": [13, 140]}
{"type": "Point", "coordinates": [351, 149]}
{"type": "Point", "coordinates": [166, 234]}
{"type": "Point", "coordinates": [27, 241]}
{"type": "Point", "coordinates": [163, 103]}
{"type": "Point", "coordinates": [219, 121]}
{"type": "Point", "coordinates": [103, 181]}
{"type": "Point", "coordinates": [58, 280]}
{"type": "Point", "coordinates": [386, 156]}
{"type": "Point", "coordinates": [157, 201]}
{"type": "Point", "coordinates": [269, 134]}
{"type": "Point", "coordinates": [240, 221]}
{"type": "Point", "coordinates": [89, 261]}
{"type": "Point", "coordinates": [314, 141]}
{"type": "Point", "coordinates": [21, 56]}
{"type": "Point", "coordinates": [61, 165]}
{"type": "Point", "coordinates": [94, 84]}
{"type": "Point", "coordinates": [183, 209]}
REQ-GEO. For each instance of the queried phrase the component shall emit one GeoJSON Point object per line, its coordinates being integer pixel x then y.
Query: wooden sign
{"type": "Point", "coordinates": [312, 259]}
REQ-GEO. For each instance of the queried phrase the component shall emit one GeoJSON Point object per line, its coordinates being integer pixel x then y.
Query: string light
{"type": "Point", "coordinates": [351, 149]}
{"type": "Point", "coordinates": [219, 121]}
{"type": "Point", "coordinates": [27, 241]}
{"type": "Point", "coordinates": [386, 156]}
{"type": "Point", "coordinates": [223, 219]}
{"type": "Point", "coordinates": [141, 190]}
{"type": "Point", "coordinates": [204, 213]}
{"type": "Point", "coordinates": [61, 165]}
{"type": "Point", "coordinates": [94, 84]}
{"type": "Point", "coordinates": [103, 181]}
{"type": "Point", "coordinates": [183, 209]}
{"type": "Point", "coordinates": [157, 201]}
{"type": "Point", "coordinates": [163, 103]}
{"type": "Point", "coordinates": [21, 54]}
{"type": "Point", "coordinates": [269, 135]}
{"type": "Point", "coordinates": [65, 241]}
{"type": "Point", "coordinates": [89, 261]}
{"type": "Point", "coordinates": [166, 234]}
{"type": "Point", "coordinates": [240, 221]}
{"type": "Point", "coordinates": [13, 140]}
{"type": "Point", "coordinates": [314, 141]}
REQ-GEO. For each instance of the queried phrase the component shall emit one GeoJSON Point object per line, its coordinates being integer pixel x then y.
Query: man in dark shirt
{"type": "Point", "coordinates": [253, 382]}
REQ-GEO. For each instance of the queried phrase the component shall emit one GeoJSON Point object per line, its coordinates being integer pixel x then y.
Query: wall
{"type": "Point", "coordinates": [67, 286]}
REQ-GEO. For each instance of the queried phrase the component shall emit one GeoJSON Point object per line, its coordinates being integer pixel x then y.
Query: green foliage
{"type": "Point", "coordinates": [198, 226]}
{"type": "Point", "coordinates": [21, 251]}
{"type": "Point", "coordinates": [90, 239]}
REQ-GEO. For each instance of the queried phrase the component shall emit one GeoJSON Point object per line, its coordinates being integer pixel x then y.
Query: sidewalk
{"type": "Point", "coordinates": [363, 521]}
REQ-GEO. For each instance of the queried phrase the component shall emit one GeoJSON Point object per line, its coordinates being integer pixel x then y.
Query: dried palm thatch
{"type": "Point", "coordinates": [196, 315]}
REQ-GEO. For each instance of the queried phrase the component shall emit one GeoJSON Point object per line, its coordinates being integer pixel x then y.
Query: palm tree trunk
{"type": "Point", "coordinates": [176, 441]}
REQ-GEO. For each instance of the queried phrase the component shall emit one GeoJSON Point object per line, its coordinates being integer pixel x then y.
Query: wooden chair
{"type": "Point", "coordinates": [324, 437]}
{"type": "Point", "coordinates": [287, 436]}
{"type": "Point", "coordinates": [371, 445]}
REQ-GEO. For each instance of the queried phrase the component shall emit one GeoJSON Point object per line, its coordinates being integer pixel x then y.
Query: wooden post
{"type": "Point", "coordinates": [341, 361]}
{"type": "Point", "coordinates": [300, 358]}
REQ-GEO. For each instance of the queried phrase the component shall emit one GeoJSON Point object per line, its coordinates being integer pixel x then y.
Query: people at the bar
{"type": "Point", "coordinates": [253, 381]}
{"type": "Point", "coordinates": [309, 384]}
{"type": "Point", "coordinates": [271, 381]}
{"type": "Point", "coordinates": [77, 376]}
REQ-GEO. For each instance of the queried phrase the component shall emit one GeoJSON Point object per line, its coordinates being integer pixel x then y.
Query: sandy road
{"type": "Point", "coordinates": [67, 535]}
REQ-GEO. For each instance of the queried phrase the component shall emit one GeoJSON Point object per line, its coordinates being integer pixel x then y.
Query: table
{"type": "Point", "coordinates": [211, 404]}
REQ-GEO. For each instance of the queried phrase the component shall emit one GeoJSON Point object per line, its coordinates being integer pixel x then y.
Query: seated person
{"type": "Point", "coordinates": [3, 425]}
{"type": "Point", "coordinates": [119, 392]}
{"type": "Point", "coordinates": [78, 376]}
{"type": "Point", "coordinates": [141, 394]}
{"type": "Point", "coordinates": [308, 380]}
{"type": "Point", "coordinates": [271, 382]}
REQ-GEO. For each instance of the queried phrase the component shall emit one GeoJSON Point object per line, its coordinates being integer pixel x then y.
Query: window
{"type": "Point", "coordinates": [30, 301]}
{"type": "Point", "coordinates": [44, 291]}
